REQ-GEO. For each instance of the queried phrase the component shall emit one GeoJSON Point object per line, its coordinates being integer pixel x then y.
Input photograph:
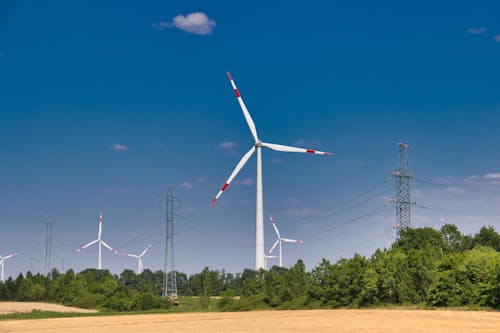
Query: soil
{"type": "Point", "coordinates": [339, 321]}
{"type": "Point", "coordinates": [20, 307]}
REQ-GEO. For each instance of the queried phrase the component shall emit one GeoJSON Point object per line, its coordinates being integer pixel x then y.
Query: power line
{"type": "Point", "coordinates": [457, 211]}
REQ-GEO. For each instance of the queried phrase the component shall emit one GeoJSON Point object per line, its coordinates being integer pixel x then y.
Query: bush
{"type": "Point", "coordinates": [255, 302]}
{"type": "Point", "coordinates": [89, 301]}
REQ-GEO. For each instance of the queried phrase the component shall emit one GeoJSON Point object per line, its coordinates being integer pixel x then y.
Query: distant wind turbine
{"type": "Point", "coordinates": [140, 267]}
{"type": "Point", "coordinates": [100, 241]}
{"type": "Point", "coordinates": [280, 240]}
{"type": "Point", "coordinates": [259, 210]}
{"type": "Point", "coordinates": [267, 257]}
{"type": "Point", "coordinates": [2, 264]}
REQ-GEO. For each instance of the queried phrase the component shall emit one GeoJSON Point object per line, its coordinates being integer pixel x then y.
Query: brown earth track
{"type": "Point", "coordinates": [20, 307]}
{"type": "Point", "coordinates": [339, 321]}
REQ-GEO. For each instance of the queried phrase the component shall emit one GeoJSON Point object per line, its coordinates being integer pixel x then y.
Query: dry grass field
{"type": "Point", "coordinates": [340, 321]}
{"type": "Point", "coordinates": [20, 307]}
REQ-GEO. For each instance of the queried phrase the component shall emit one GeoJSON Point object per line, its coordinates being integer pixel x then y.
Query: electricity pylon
{"type": "Point", "coordinates": [403, 179]}
{"type": "Point", "coordinates": [169, 273]}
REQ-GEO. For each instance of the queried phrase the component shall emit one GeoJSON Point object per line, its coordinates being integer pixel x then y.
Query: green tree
{"type": "Point", "coordinates": [487, 236]}
{"type": "Point", "coordinates": [205, 285]}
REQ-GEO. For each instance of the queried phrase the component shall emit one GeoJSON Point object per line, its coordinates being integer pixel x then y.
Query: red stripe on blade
{"type": "Point", "coordinates": [224, 187]}
{"type": "Point", "coordinates": [310, 151]}
{"type": "Point", "coordinates": [213, 201]}
{"type": "Point", "coordinates": [229, 76]}
{"type": "Point", "coordinates": [237, 93]}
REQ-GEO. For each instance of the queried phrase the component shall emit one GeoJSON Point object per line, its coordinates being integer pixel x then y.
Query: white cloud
{"type": "Point", "coordinates": [118, 191]}
{"type": "Point", "coordinates": [196, 23]}
{"type": "Point", "coordinates": [496, 39]}
{"type": "Point", "coordinates": [307, 143]}
{"type": "Point", "coordinates": [186, 185]}
{"type": "Point", "coordinates": [476, 30]}
{"type": "Point", "coordinates": [289, 202]}
{"type": "Point", "coordinates": [226, 145]}
{"type": "Point", "coordinates": [304, 212]}
{"type": "Point", "coordinates": [160, 26]}
{"type": "Point", "coordinates": [493, 176]}
{"type": "Point", "coordinates": [245, 182]}
{"type": "Point", "coordinates": [455, 190]}
{"type": "Point", "coordinates": [119, 147]}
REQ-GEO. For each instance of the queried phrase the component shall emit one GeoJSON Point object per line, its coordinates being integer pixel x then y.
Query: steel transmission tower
{"type": "Point", "coordinates": [49, 223]}
{"type": "Point", "coordinates": [169, 274]}
{"type": "Point", "coordinates": [403, 178]}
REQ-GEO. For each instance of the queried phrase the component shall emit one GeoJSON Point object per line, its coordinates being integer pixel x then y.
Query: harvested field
{"type": "Point", "coordinates": [20, 307]}
{"type": "Point", "coordinates": [373, 321]}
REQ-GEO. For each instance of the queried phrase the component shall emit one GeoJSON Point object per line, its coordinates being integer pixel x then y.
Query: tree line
{"type": "Point", "coordinates": [435, 268]}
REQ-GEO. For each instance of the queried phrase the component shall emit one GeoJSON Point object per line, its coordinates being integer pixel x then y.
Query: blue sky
{"type": "Point", "coordinates": [102, 104]}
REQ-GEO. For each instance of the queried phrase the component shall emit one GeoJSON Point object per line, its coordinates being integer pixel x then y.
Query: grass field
{"type": "Point", "coordinates": [376, 321]}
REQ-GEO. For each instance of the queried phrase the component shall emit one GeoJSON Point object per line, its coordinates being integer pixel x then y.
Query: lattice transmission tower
{"type": "Point", "coordinates": [169, 273]}
{"type": "Point", "coordinates": [49, 237]}
{"type": "Point", "coordinates": [403, 179]}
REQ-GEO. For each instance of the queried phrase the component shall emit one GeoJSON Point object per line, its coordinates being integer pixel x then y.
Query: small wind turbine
{"type": "Point", "coordinates": [443, 222]}
{"type": "Point", "coordinates": [268, 256]}
{"type": "Point", "coordinates": [2, 264]}
{"type": "Point", "coordinates": [280, 240]}
{"type": "Point", "coordinates": [140, 267]}
{"type": "Point", "coordinates": [259, 210]}
{"type": "Point", "coordinates": [100, 241]}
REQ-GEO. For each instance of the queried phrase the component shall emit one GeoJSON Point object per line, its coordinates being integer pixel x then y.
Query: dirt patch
{"type": "Point", "coordinates": [339, 321]}
{"type": "Point", "coordinates": [20, 307]}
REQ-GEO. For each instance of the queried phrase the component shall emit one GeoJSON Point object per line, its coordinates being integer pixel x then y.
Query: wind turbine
{"type": "Point", "coordinates": [2, 264]}
{"type": "Point", "coordinates": [140, 267]}
{"type": "Point", "coordinates": [268, 256]}
{"type": "Point", "coordinates": [100, 241]}
{"type": "Point", "coordinates": [259, 210]}
{"type": "Point", "coordinates": [280, 240]}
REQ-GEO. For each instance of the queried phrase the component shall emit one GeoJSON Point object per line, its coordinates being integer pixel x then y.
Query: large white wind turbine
{"type": "Point", "coordinates": [2, 264]}
{"type": "Point", "coordinates": [280, 240]}
{"type": "Point", "coordinates": [259, 212]}
{"type": "Point", "coordinates": [140, 267]}
{"type": "Point", "coordinates": [100, 241]}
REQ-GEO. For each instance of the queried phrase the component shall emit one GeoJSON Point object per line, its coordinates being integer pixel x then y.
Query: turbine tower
{"type": "Point", "coordinates": [100, 241]}
{"type": "Point", "coordinates": [2, 265]}
{"type": "Point", "coordinates": [403, 178]}
{"type": "Point", "coordinates": [259, 210]}
{"type": "Point", "coordinates": [140, 267]}
{"type": "Point", "coordinates": [280, 240]}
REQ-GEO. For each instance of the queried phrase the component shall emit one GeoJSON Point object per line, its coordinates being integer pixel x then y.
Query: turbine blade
{"type": "Point", "coordinates": [239, 166]}
{"type": "Point", "coordinates": [130, 255]}
{"type": "Point", "coordinates": [109, 247]}
{"type": "Point", "coordinates": [87, 245]}
{"type": "Point", "coordinates": [274, 226]}
{"type": "Point", "coordinates": [287, 240]}
{"type": "Point", "coordinates": [100, 225]}
{"type": "Point", "coordinates": [273, 247]}
{"type": "Point", "coordinates": [289, 149]}
{"type": "Point", "coordinates": [248, 118]}
{"type": "Point", "coordinates": [9, 256]}
{"type": "Point", "coordinates": [145, 250]}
